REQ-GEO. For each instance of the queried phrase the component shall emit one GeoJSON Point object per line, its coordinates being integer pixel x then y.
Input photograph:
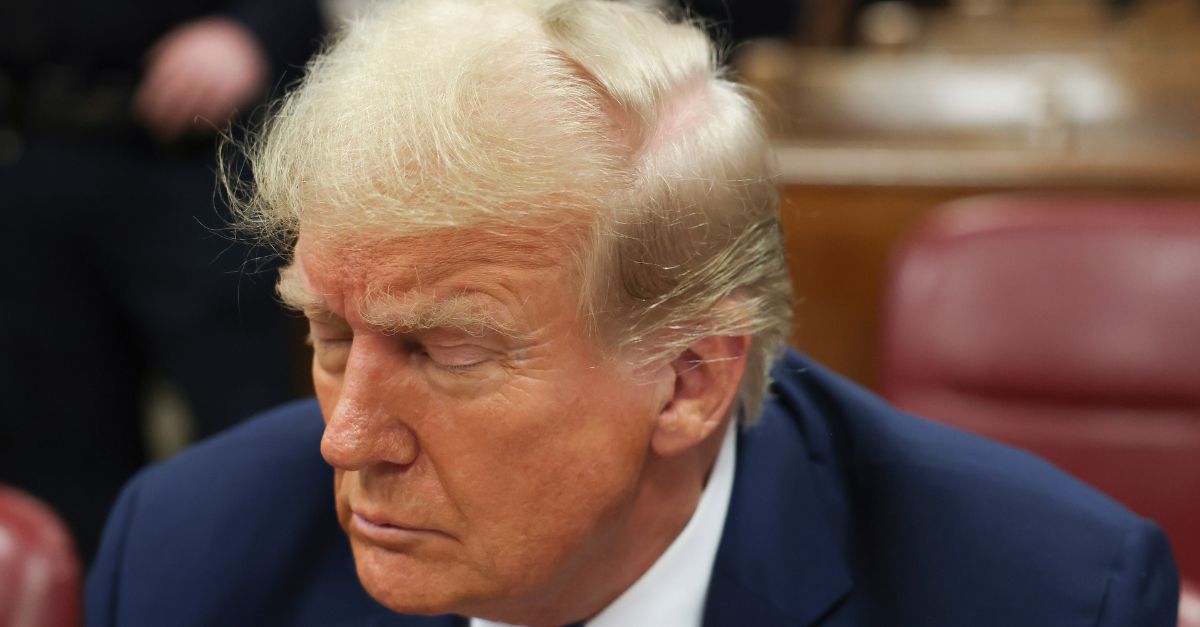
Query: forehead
{"type": "Point", "coordinates": [418, 262]}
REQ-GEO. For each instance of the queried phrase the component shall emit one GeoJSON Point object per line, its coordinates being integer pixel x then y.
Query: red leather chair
{"type": "Point", "coordinates": [40, 583]}
{"type": "Point", "coordinates": [1068, 326]}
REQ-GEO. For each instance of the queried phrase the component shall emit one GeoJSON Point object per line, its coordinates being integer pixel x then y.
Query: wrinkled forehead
{"type": "Point", "coordinates": [428, 257]}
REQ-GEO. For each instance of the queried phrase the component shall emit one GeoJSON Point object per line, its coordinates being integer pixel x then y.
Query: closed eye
{"type": "Point", "coordinates": [456, 358]}
{"type": "Point", "coordinates": [329, 328]}
{"type": "Point", "coordinates": [331, 340]}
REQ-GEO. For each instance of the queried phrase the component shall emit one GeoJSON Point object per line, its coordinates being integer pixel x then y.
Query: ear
{"type": "Point", "coordinates": [707, 376]}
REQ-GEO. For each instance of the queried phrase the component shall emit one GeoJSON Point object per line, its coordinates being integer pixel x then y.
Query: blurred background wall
{"type": "Point", "coordinates": [906, 107]}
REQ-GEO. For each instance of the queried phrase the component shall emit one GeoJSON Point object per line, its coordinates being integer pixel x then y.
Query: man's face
{"type": "Point", "coordinates": [483, 448]}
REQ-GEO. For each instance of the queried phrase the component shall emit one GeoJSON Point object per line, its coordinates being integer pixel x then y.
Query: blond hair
{"type": "Point", "coordinates": [447, 114]}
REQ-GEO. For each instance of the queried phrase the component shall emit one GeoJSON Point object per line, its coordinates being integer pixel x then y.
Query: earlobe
{"type": "Point", "coordinates": [707, 376]}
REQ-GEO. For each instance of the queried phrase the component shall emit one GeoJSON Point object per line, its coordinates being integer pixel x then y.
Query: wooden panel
{"type": "Point", "coordinates": [838, 242]}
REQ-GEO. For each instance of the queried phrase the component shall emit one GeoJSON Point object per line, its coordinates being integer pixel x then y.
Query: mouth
{"type": "Point", "coordinates": [387, 533]}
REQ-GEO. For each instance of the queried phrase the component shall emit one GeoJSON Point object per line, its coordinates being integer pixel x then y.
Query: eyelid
{"type": "Point", "coordinates": [457, 357]}
{"type": "Point", "coordinates": [328, 322]}
{"type": "Point", "coordinates": [330, 339]}
{"type": "Point", "coordinates": [328, 334]}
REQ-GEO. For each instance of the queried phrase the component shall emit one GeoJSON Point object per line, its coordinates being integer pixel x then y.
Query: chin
{"type": "Point", "coordinates": [405, 584]}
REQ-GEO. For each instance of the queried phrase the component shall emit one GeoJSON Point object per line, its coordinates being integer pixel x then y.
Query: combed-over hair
{"type": "Point", "coordinates": [595, 115]}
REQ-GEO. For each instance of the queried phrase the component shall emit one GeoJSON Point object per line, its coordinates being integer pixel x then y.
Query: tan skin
{"type": "Point", "coordinates": [512, 473]}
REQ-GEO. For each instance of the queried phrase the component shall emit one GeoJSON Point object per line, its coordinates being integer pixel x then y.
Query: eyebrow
{"type": "Point", "coordinates": [396, 314]}
{"type": "Point", "coordinates": [296, 296]}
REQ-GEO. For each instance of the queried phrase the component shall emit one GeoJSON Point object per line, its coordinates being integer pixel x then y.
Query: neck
{"type": "Point", "coordinates": [660, 506]}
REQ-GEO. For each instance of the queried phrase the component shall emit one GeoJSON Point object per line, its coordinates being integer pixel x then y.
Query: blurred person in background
{"type": "Point", "coordinates": [113, 271]}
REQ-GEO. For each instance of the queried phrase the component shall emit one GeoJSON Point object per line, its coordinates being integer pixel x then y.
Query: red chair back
{"type": "Point", "coordinates": [40, 583]}
{"type": "Point", "coordinates": [1066, 326]}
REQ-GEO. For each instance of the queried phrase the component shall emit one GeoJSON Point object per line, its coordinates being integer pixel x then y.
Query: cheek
{"type": "Point", "coordinates": [542, 433]}
{"type": "Point", "coordinates": [540, 470]}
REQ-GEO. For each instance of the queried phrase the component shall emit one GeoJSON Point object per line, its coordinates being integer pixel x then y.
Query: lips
{"type": "Point", "coordinates": [380, 521]}
{"type": "Point", "coordinates": [386, 532]}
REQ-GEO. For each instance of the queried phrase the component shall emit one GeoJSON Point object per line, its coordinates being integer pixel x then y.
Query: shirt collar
{"type": "Point", "coordinates": [672, 592]}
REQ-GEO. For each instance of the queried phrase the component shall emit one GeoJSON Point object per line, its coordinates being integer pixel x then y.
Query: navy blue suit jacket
{"type": "Point", "coordinates": [844, 513]}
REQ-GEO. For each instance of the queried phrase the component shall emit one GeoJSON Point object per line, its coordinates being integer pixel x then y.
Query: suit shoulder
{"type": "Point", "coordinates": [849, 426]}
{"type": "Point", "coordinates": [285, 434]}
{"type": "Point", "coordinates": [239, 529]}
{"type": "Point", "coordinates": [938, 513]}
{"type": "Point", "coordinates": [271, 460]}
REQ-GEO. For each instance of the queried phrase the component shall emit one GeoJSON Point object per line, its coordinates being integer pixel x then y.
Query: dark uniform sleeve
{"type": "Point", "coordinates": [1143, 590]}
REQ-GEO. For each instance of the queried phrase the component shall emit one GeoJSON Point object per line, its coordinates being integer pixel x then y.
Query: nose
{"type": "Point", "coordinates": [363, 430]}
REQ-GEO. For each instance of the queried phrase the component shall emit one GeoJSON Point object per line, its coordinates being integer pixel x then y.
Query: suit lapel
{"type": "Point", "coordinates": [779, 561]}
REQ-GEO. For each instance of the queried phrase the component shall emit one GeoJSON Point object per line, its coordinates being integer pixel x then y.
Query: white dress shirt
{"type": "Point", "coordinates": [672, 592]}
